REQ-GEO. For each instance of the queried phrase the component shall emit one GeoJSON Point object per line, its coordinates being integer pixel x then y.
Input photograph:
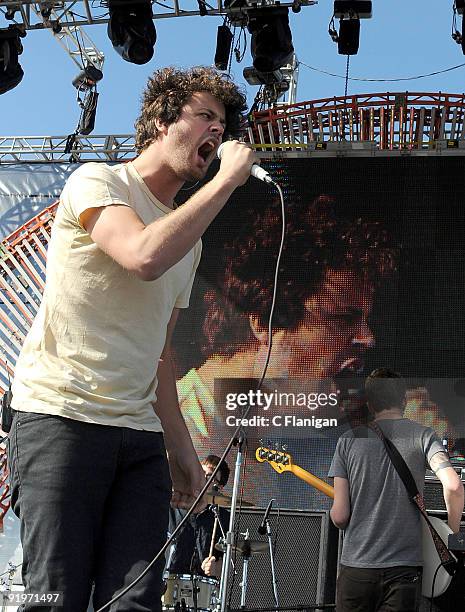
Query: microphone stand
{"type": "Point", "coordinates": [230, 533]}
{"type": "Point", "coordinates": [273, 569]}
{"type": "Point", "coordinates": [195, 564]}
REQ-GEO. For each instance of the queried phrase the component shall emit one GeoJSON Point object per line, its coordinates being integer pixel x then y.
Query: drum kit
{"type": "Point", "coordinates": [190, 592]}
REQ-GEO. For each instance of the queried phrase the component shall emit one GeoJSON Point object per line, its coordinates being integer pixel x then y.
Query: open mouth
{"type": "Point", "coordinates": [205, 150]}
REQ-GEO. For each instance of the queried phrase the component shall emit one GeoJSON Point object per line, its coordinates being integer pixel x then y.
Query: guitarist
{"type": "Point", "coordinates": [381, 561]}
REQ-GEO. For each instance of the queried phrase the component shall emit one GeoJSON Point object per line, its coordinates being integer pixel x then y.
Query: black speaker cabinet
{"type": "Point", "coordinates": [432, 493]}
{"type": "Point", "coordinates": [306, 554]}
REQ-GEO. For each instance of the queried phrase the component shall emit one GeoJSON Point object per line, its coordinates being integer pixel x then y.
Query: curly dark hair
{"type": "Point", "coordinates": [169, 89]}
{"type": "Point", "coordinates": [316, 241]}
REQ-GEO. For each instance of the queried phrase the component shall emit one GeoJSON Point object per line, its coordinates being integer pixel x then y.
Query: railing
{"type": "Point", "coordinates": [22, 275]}
{"type": "Point", "coordinates": [389, 121]}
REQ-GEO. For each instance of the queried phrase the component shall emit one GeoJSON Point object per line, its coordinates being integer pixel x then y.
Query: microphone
{"type": "Point", "coordinates": [257, 171]}
{"type": "Point", "coordinates": [262, 528]}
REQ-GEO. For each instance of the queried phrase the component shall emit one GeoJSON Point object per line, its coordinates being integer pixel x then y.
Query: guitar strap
{"type": "Point", "coordinates": [447, 560]}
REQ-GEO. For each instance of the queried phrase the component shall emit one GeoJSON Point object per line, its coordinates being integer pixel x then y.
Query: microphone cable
{"type": "Point", "coordinates": [432, 587]}
{"type": "Point", "coordinates": [238, 428]}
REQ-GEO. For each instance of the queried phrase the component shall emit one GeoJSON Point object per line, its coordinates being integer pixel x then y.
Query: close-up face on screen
{"type": "Point", "coordinates": [370, 276]}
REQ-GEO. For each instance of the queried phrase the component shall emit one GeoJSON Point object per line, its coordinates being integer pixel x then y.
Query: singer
{"type": "Point", "coordinates": [94, 386]}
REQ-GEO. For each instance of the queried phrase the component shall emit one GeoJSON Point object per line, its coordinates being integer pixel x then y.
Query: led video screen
{"type": "Point", "coordinates": [372, 275]}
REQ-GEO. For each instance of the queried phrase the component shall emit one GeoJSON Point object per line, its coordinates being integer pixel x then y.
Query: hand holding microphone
{"type": "Point", "coordinates": [241, 154]}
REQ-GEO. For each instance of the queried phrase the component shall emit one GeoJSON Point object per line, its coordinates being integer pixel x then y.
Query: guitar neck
{"type": "Point", "coordinates": [312, 480]}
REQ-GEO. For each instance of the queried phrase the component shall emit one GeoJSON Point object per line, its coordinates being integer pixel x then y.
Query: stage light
{"type": "Point", "coordinates": [131, 30]}
{"type": "Point", "coordinates": [347, 8]}
{"type": "Point", "coordinates": [254, 77]}
{"type": "Point", "coordinates": [88, 77]}
{"type": "Point", "coordinates": [349, 12]}
{"type": "Point", "coordinates": [11, 72]}
{"type": "Point", "coordinates": [224, 40]}
{"type": "Point", "coordinates": [348, 39]}
{"type": "Point", "coordinates": [271, 45]}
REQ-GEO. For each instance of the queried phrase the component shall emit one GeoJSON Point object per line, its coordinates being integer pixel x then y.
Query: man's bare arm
{"type": "Point", "coordinates": [452, 488]}
{"type": "Point", "coordinates": [186, 472]}
{"type": "Point", "coordinates": [150, 250]}
{"type": "Point", "coordinates": [340, 510]}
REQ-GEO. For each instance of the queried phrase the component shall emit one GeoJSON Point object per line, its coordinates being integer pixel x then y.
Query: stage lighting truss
{"type": "Point", "coordinates": [74, 13]}
{"type": "Point", "coordinates": [65, 18]}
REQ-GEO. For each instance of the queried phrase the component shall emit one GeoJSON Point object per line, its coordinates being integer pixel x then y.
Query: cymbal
{"type": "Point", "coordinates": [245, 546]}
{"type": "Point", "coordinates": [224, 500]}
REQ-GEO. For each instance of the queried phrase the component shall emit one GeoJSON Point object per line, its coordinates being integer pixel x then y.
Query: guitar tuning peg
{"type": "Point", "coordinates": [284, 447]}
{"type": "Point", "coordinates": [260, 440]}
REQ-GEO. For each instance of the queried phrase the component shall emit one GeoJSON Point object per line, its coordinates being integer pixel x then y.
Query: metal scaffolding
{"type": "Point", "coordinates": [40, 149]}
{"type": "Point", "coordinates": [85, 13]}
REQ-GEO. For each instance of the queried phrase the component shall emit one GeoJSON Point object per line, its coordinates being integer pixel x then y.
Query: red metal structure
{"type": "Point", "coordinates": [391, 121]}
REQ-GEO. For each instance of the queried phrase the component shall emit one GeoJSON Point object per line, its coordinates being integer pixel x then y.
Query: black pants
{"type": "Point", "coordinates": [393, 589]}
{"type": "Point", "coordinates": [93, 502]}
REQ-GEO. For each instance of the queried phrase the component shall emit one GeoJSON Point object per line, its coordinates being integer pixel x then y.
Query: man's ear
{"type": "Point", "coordinates": [161, 126]}
{"type": "Point", "coordinates": [260, 332]}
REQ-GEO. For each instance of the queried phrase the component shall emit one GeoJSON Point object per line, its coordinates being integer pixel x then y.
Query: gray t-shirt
{"type": "Point", "coordinates": [384, 529]}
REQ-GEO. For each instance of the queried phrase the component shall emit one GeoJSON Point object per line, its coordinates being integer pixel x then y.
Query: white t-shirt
{"type": "Point", "coordinates": [93, 349]}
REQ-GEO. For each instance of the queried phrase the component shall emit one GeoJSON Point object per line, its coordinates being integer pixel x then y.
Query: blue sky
{"type": "Point", "coordinates": [404, 38]}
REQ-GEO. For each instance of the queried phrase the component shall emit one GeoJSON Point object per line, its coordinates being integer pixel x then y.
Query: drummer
{"type": "Point", "coordinates": [193, 551]}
